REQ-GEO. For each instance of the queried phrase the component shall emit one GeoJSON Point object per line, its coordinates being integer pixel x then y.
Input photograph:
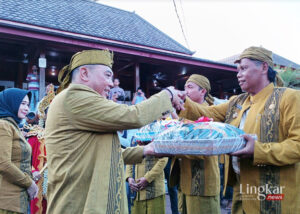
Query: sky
{"type": "Point", "coordinates": [216, 29]}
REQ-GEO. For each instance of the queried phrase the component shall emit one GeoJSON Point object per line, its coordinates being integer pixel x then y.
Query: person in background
{"type": "Point", "coordinates": [149, 184]}
{"type": "Point", "coordinates": [199, 175]}
{"type": "Point", "coordinates": [126, 140]}
{"type": "Point", "coordinates": [172, 190]}
{"type": "Point", "coordinates": [138, 97]}
{"type": "Point", "coordinates": [35, 137]}
{"type": "Point", "coordinates": [33, 86]}
{"type": "Point", "coordinates": [17, 186]}
{"type": "Point", "coordinates": [116, 93]}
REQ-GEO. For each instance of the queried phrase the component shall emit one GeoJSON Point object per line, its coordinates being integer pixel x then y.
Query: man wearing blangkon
{"type": "Point", "coordinates": [84, 155]}
{"type": "Point", "coordinates": [199, 175]}
{"type": "Point", "coordinates": [269, 166]}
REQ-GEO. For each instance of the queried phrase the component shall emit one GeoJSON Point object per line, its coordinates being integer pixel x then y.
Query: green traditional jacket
{"type": "Point", "coordinates": [15, 167]}
{"type": "Point", "coordinates": [199, 175]}
{"type": "Point", "coordinates": [274, 117]}
{"type": "Point", "coordinates": [85, 160]}
{"type": "Point", "coordinates": [152, 169]}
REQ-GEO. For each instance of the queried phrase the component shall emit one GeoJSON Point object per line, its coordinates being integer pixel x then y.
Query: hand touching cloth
{"type": "Point", "coordinates": [177, 97]}
{"type": "Point", "coordinates": [36, 175]}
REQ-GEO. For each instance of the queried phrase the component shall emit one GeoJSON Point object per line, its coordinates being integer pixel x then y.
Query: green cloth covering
{"type": "Point", "coordinates": [7, 212]}
{"type": "Point", "coordinates": [151, 206]}
{"type": "Point", "coordinates": [201, 204]}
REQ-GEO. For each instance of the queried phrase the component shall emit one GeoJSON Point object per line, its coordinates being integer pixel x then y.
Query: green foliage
{"type": "Point", "coordinates": [291, 78]}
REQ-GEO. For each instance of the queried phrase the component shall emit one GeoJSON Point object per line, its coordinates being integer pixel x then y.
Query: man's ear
{"type": "Point", "coordinates": [84, 74]}
{"type": "Point", "coordinates": [203, 91]}
{"type": "Point", "coordinates": [265, 68]}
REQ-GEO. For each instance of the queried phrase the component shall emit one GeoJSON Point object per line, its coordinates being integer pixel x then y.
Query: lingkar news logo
{"type": "Point", "coordinates": [264, 192]}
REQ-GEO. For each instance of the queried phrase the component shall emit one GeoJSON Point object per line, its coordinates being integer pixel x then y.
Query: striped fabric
{"type": "Point", "coordinates": [33, 81]}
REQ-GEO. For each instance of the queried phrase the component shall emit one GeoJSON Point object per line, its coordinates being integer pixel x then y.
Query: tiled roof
{"type": "Point", "coordinates": [89, 18]}
{"type": "Point", "coordinates": [278, 60]}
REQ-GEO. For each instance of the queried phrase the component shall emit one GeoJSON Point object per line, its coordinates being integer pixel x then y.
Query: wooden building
{"type": "Point", "coordinates": [52, 31]}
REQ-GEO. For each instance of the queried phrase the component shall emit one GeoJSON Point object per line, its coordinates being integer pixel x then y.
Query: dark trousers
{"type": "Point", "coordinates": [171, 190]}
{"type": "Point", "coordinates": [229, 189]}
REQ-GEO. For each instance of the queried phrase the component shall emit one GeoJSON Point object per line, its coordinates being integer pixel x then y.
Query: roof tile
{"type": "Point", "coordinates": [89, 18]}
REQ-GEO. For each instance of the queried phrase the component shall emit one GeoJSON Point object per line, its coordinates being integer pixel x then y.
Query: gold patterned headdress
{"type": "Point", "coordinates": [45, 102]}
{"type": "Point", "coordinates": [86, 57]}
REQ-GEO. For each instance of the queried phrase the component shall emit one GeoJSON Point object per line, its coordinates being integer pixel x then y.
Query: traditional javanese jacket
{"type": "Point", "coordinates": [15, 167]}
{"type": "Point", "coordinates": [85, 164]}
{"type": "Point", "coordinates": [199, 175]}
{"type": "Point", "coordinates": [274, 117]}
{"type": "Point", "coordinates": [152, 169]}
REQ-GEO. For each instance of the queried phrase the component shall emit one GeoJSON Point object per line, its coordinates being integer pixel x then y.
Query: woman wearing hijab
{"type": "Point", "coordinates": [16, 183]}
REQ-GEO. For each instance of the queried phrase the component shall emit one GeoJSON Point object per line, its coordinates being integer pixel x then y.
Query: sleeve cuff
{"type": "Point", "coordinates": [28, 181]}
{"type": "Point", "coordinates": [148, 178]}
{"type": "Point", "coordinates": [258, 155]}
{"type": "Point", "coordinates": [169, 104]}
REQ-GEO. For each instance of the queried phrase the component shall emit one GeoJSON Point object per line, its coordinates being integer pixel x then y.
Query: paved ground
{"type": "Point", "coordinates": [168, 207]}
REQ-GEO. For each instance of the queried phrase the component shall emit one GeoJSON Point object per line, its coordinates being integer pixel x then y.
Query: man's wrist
{"type": "Point", "coordinates": [170, 93]}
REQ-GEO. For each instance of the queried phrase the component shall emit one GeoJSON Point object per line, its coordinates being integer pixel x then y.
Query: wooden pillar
{"type": "Point", "coordinates": [137, 76]}
{"type": "Point", "coordinates": [20, 75]}
{"type": "Point", "coordinates": [42, 78]}
{"type": "Point", "coordinates": [221, 91]}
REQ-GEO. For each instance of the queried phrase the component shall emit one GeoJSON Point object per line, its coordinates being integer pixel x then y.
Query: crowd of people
{"type": "Point", "coordinates": [77, 155]}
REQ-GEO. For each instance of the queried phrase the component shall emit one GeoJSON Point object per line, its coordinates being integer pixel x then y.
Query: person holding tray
{"type": "Point", "coordinates": [267, 168]}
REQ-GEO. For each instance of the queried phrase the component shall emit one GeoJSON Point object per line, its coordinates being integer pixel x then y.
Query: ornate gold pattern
{"type": "Point", "coordinates": [150, 189]}
{"type": "Point", "coordinates": [198, 177]}
{"type": "Point", "coordinates": [269, 132]}
{"type": "Point", "coordinates": [115, 201]}
{"type": "Point", "coordinates": [233, 107]}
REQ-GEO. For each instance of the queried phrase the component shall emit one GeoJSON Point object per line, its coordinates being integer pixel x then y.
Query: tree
{"type": "Point", "coordinates": [291, 78]}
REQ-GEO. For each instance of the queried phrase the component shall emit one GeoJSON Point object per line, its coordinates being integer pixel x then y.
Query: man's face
{"type": "Point", "coordinates": [101, 79]}
{"type": "Point", "coordinates": [249, 75]}
{"type": "Point", "coordinates": [194, 92]}
{"type": "Point", "coordinates": [116, 82]}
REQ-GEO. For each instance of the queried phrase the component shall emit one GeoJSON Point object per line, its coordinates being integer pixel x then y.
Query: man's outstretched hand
{"type": "Point", "coordinates": [149, 149]}
{"type": "Point", "coordinates": [177, 97]}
